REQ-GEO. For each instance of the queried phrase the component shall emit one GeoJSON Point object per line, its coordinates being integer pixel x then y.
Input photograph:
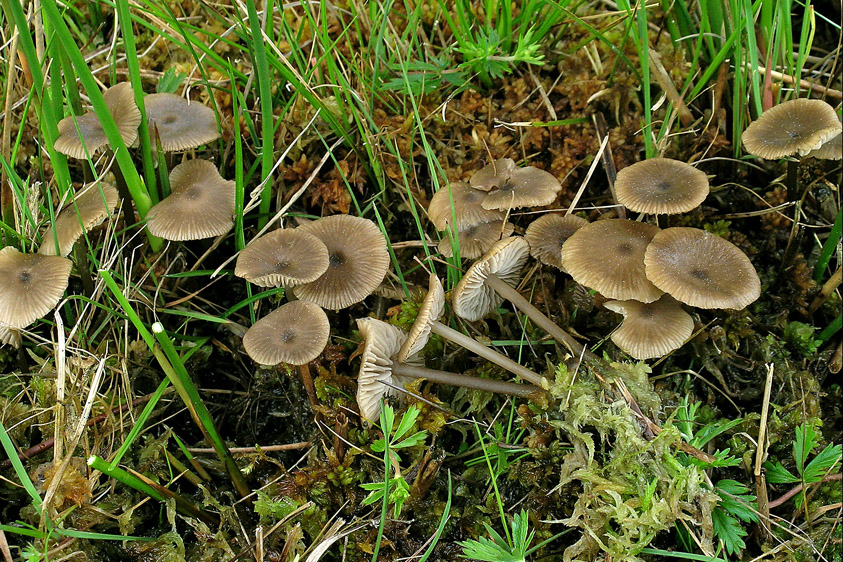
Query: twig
{"type": "Point", "coordinates": [246, 450]}
{"type": "Point", "coordinates": [761, 453]}
{"type": "Point", "coordinates": [793, 491]}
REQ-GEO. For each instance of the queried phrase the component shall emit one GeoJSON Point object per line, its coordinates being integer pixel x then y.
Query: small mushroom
{"type": "Point", "coordinates": [380, 371]}
{"type": "Point", "coordinates": [608, 256]}
{"type": "Point", "coordinates": [547, 234]}
{"type": "Point", "coordinates": [357, 261]}
{"type": "Point", "coordinates": [492, 278]}
{"type": "Point", "coordinates": [829, 150]}
{"type": "Point", "coordinates": [181, 124]}
{"type": "Point", "coordinates": [493, 175]}
{"type": "Point", "coordinates": [32, 285]}
{"type": "Point", "coordinates": [200, 204]}
{"type": "Point", "coordinates": [120, 100]}
{"type": "Point", "coordinates": [797, 126]}
{"type": "Point", "coordinates": [10, 336]}
{"type": "Point", "coordinates": [476, 240]}
{"type": "Point", "coordinates": [295, 334]}
{"type": "Point", "coordinates": [661, 186]}
{"type": "Point", "coordinates": [427, 321]}
{"type": "Point", "coordinates": [467, 207]}
{"type": "Point", "coordinates": [88, 208]}
{"type": "Point", "coordinates": [651, 330]}
{"type": "Point", "coordinates": [285, 257]}
{"type": "Point", "coordinates": [701, 269]}
{"type": "Point", "coordinates": [521, 187]}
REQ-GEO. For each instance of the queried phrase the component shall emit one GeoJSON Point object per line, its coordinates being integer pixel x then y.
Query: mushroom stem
{"type": "Point", "coordinates": [792, 180]}
{"type": "Point", "coordinates": [487, 353]}
{"type": "Point", "coordinates": [83, 267]}
{"type": "Point", "coordinates": [534, 314]}
{"type": "Point", "coordinates": [473, 383]}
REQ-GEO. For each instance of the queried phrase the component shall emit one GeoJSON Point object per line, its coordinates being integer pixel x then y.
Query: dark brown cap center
{"type": "Point", "coordinates": [625, 248]}
{"type": "Point", "coordinates": [699, 274]}
{"type": "Point", "coordinates": [25, 277]}
{"type": "Point", "coordinates": [336, 259]}
{"type": "Point", "coordinates": [288, 335]}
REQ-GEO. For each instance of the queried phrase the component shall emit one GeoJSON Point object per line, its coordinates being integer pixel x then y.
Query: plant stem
{"type": "Point", "coordinates": [534, 314]}
{"type": "Point", "coordinates": [473, 383]}
{"type": "Point", "coordinates": [488, 354]}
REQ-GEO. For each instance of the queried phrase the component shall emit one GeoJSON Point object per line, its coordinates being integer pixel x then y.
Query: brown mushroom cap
{"type": "Point", "coordinates": [381, 343]}
{"type": "Point", "coordinates": [477, 239]}
{"type": "Point", "coordinates": [294, 334]}
{"type": "Point", "coordinates": [200, 205]}
{"type": "Point", "coordinates": [493, 175]}
{"type": "Point", "coordinates": [608, 256]}
{"type": "Point", "coordinates": [547, 234]}
{"type": "Point", "coordinates": [467, 207]}
{"type": "Point", "coordinates": [653, 329]}
{"type": "Point", "coordinates": [701, 269]}
{"type": "Point", "coordinates": [89, 207]}
{"type": "Point", "coordinates": [430, 311]}
{"type": "Point", "coordinates": [32, 284]}
{"type": "Point", "coordinates": [525, 187]}
{"type": "Point", "coordinates": [795, 126]}
{"type": "Point", "coordinates": [661, 186]}
{"type": "Point", "coordinates": [180, 124]}
{"type": "Point", "coordinates": [120, 100]}
{"type": "Point", "coordinates": [472, 299]}
{"type": "Point", "coordinates": [286, 257]}
{"type": "Point", "coordinates": [357, 261]}
{"type": "Point", "coordinates": [829, 150]}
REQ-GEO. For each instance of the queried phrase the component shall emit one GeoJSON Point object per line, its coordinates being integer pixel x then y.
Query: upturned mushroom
{"type": "Point", "coordinates": [492, 278]}
{"type": "Point", "coordinates": [701, 269]}
{"type": "Point", "coordinates": [380, 370]}
{"type": "Point", "coordinates": [467, 209]}
{"type": "Point", "coordinates": [200, 204]}
{"type": "Point", "coordinates": [85, 210]}
{"type": "Point", "coordinates": [180, 124]}
{"type": "Point", "coordinates": [10, 336]}
{"type": "Point", "coordinates": [509, 186]}
{"type": "Point", "coordinates": [608, 256]}
{"type": "Point", "coordinates": [651, 330]}
{"type": "Point", "coordinates": [476, 240]}
{"type": "Point", "coordinates": [32, 285]}
{"type": "Point", "coordinates": [91, 136]}
{"type": "Point", "coordinates": [661, 186]}
{"type": "Point", "coordinates": [296, 333]}
{"type": "Point", "coordinates": [357, 261]}
{"type": "Point", "coordinates": [427, 322]}
{"type": "Point", "coordinates": [547, 234]}
{"type": "Point", "coordinates": [287, 257]}
{"type": "Point", "coordinates": [796, 126]}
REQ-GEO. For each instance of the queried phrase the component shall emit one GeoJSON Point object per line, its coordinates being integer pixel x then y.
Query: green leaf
{"type": "Point", "coordinates": [736, 500]}
{"type": "Point", "coordinates": [412, 440]}
{"type": "Point", "coordinates": [729, 530]}
{"type": "Point", "coordinates": [777, 474]}
{"type": "Point", "coordinates": [170, 81]}
{"type": "Point", "coordinates": [407, 421]}
{"type": "Point", "coordinates": [822, 463]}
{"type": "Point", "coordinates": [806, 440]}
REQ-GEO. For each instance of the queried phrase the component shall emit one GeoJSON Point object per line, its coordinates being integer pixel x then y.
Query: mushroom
{"type": "Point", "coordinates": [516, 187]}
{"type": "Point", "coordinates": [91, 136]}
{"type": "Point", "coordinates": [661, 186]}
{"type": "Point", "coordinates": [380, 370]}
{"type": "Point", "coordinates": [608, 256]}
{"type": "Point", "coordinates": [200, 204]}
{"type": "Point", "coordinates": [476, 239]}
{"type": "Point", "coordinates": [792, 127]}
{"type": "Point", "coordinates": [493, 175]}
{"type": "Point", "coordinates": [10, 336]}
{"type": "Point", "coordinates": [88, 208]}
{"type": "Point", "coordinates": [653, 329]}
{"type": "Point", "coordinates": [296, 333]}
{"type": "Point", "coordinates": [32, 285]}
{"type": "Point", "coordinates": [467, 208]}
{"type": "Point", "coordinates": [286, 257]}
{"type": "Point", "coordinates": [357, 261]}
{"type": "Point", "coordinates": [492, 278]}
{"type": "Point", "coordinates": [829, 150]}
{"type": "Point", "coordinates": [427, 321]}
{"type": "Point", "coordinates": [180, 124]}
{"type": "Point", "coordinates": [547, 234]}
{"type": "Point", "coordinates": [701, 269]}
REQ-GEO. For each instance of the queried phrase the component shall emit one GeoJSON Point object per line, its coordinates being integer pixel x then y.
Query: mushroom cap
{"type": "Point", "coordinates": [296, 333]}
{"type": "Point", "coordinates": [661, 186]}
{"type": "Point", "coordinates": [477, 239]}
{"type": "Point", "coordinates": [653, 329]}
{"type": "Point", "coordinates": [89, 207]}
{"type": "Point", "coordinates": [830, 150]}
{"type": "Point", "coordinates": [181, 124]}
{"type": "Point", "coordinates": [608, 256]}
{"type": "Point", "coordinates": [467, 207]}
{"type": "Point", "coordinates": [547, 234]}
{"type": "Point", "coordinates": [200, 204]}
{"type": "Point", "coordinates": [32, 285]}
{"type": "Point", "coordinates": [357, 261]}
{"type": "Point", "coordinates": [795, 126]}
{"type": "Point", "coordinates": [120, 100]}
{"type": "Point", "coordinates": [381, 343]}
{"type": "Point", "coordinates": [525, 187]}
{"type": "Point", "coordinates": [10, 336]}
{"type": "Point", "coordinates": [701, 269]}
{"type": "Point", "coordinates": [430, 311]}
{"type": "Point", "coordinates": [493, 175]}
{"type": "Point", "coordinates": [286, 257]}
{"type": "Point", "coordinates": [472, 299]}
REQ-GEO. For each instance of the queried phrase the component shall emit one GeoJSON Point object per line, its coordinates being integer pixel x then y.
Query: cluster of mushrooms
{"type": "Point", "coordinates": [646, 273]}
